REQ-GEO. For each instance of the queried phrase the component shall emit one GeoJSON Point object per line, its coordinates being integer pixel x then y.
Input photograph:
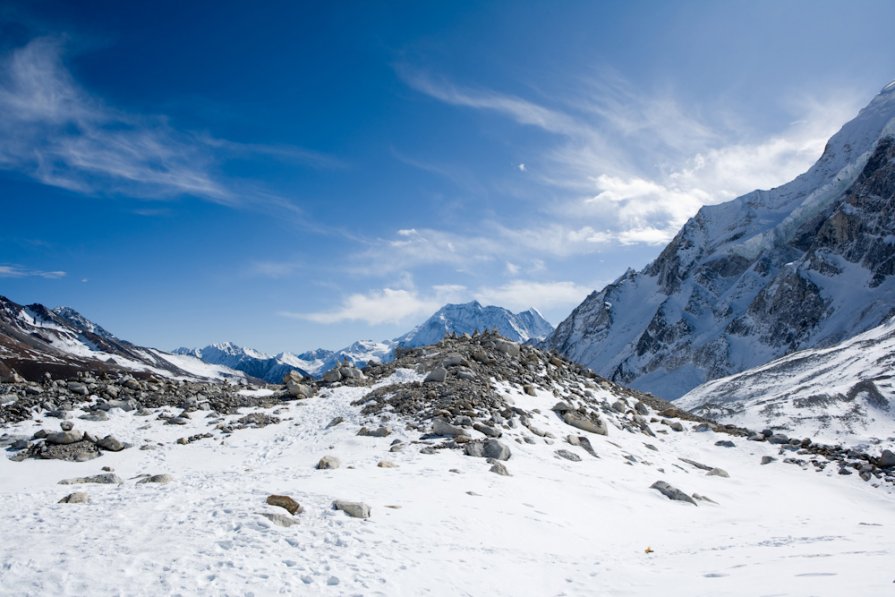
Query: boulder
{"type": "Point", "coordinates": [111, 444]}
{"type": "Point", "coordinates": [440, 426]}
{"type": "Point", "coordinates": [78, 497]}
{"type": "Point", "coordinates": [486, 429]}
{"type": "Point", "coordinates": [671, 492]}
{"type": "Point", "coordinates": [499, 468]}
{"type": "Point", "coordinates": [379, 432]}
{"type": "Point", "coordinates": [104, 478]}
{"type": "Point", "coordinates": [162, 479]}
{"type": "Point", "coordinates": [352, 509]}
{"type": "Point", "coordinates": [886, 459]}
{"type": "Point", "coordinates": [285, 502]}
{"type": "Point", "coordinates": [568, 455]}
{"type": "Point", "coordinates": [592, 423]}
{"type": "Point", "coordinates": [63, 438]}
{"type": "Point", "coordinates": [437, 375]}
{"type": "Point", "coordinates": [328, 462]}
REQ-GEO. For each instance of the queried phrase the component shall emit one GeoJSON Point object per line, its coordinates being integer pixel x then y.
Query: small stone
{"type": "Point", "coordinates": [352, 509]}
{"type": "Point", "coordinates": [380, 432]}
{"type": "Point", "coordinates": [442, 427]}
{"type": "Point", "coordinates": [717, 472]}
{"type": "Point", "coordinates": [486, 430]}
{"type": "Point", "coordinates": [285, 502]}
{"type": "Point", "coordinates": [78, 497]}
{"type": "Point", "coordinates": [66, 425]}
{"type": "Point", "coordinates": [568, 455]}
{"type": "Point", "coordinates": [498, 468]}
{"type": "Point", "coordinates": [162, 479]}
{"type": "Point", "coordinates": [530, 389]}
{"type": "Point", "coordinates": [334, 422]}
{"type": "Point", "coordinates": [725, 443]}
{"type": "Point", "coordinates": [386, 464]}
{"type": "Point", "coordinates": [767, 459]}
{"type": "Point", "coordinates": [671, 492]}
{"type": "Point", "coordinates": [104, 478]}
{"type": "Point", "coordinates": [328, 462]}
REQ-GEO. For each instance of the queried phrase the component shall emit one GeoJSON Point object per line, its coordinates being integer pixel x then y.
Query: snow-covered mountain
{"type": "Point", "coordinates": [468, 318]}
{"type": "Point", "coordinates": [35, 339]}
{"type": "Point", "coordinates": [464, 318]}
{"type": "Point", "coordinates": [841, 394]}
{"type": "Point", "coordinates": [807, 264]}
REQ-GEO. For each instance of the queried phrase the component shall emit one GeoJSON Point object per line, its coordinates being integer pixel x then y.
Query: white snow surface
{"type": "Point", "coordinates": [841, 394]}
{"type": "Point", "coordinates": [554, 527]}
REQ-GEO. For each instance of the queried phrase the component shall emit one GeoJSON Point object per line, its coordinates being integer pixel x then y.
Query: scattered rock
{"type": "Point", "coordinates": [437, 375]}
{"type": "Point", "coordinates": [328, 462]}
{"type": "Point", "coordinates": [379, 432]}
{"type": "Point", "coordinates": [111, 444]}
{"type": "Point", "coordinates": [162, 479]}
{"type": "Point", "coordinates": [442, 427]}
{"type": "Point", "coordinates": [285, 502]}
{"type": "Point", "coordinates": [104, 478]}
{"type": "Point", "coordinates": [671, 492]}
{"type": "Point", "coordinates": [386, 464]}
{"type": "Point", "coordinates": [568, 455]}
{"type": "Point", "coordinates": [725, 443]}
{"type": "Point", "coordinates": [767, 459]}
{"type": "Point", "coordinates": [334, 422]}
{"type": "Point", "coordinates": [500, 469]}
{"type": "Point", "coordinates": [717, 472]}
{"type": "Point", "coordinates": [78, 497]}
{"type": "Point", "coordinates": [592, 423]}
{"type": "Point", "coordinates": [352, 509]}
{"type": "Point", "coordinates": [886, 459]}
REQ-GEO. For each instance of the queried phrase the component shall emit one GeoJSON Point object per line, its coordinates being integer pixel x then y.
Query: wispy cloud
{"type": "Point", "coordinates": [15, 271]}
{"type": "Point", "coordinates": [56, 132]}
{"type": "Point", "coordinates": [386, 306]}
{"type": "Point", "coordinates": [629, 166]}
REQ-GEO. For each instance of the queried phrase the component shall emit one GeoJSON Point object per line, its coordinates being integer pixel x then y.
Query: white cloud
{"type": "Point", "coordinates": [630, 167]}
{"type": "Point", "coordinates": [56, 132]}
{"type": "Point", "coordinates": [385, 306]}
{"type": "Point", "coordinates": [518, 295]}
{"type": "Point", "coordinates": [15, 271]}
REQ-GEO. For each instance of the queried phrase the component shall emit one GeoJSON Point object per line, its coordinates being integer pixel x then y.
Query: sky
{"type": "Point", "coordinates": [306, 174]}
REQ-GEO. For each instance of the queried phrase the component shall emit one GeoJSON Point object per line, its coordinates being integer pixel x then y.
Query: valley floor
{"type": "Point", "coordinates": [441, 524]}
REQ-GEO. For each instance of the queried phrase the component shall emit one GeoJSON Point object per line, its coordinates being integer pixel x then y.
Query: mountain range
{"type": "Point", "coordinates": [804, 265]}
{"type": "Point", "coordinates": [465, 318]}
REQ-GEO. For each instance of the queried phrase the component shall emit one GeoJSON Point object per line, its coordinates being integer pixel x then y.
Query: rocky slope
{"type": "Point", "coordinates": [804, 265]}
{"type": "Point", "coordinates": [841, 394]}
{"type": "Point", "coordinates": [469, 466]}
{"type": "Point", "coordinates": [35, 340]}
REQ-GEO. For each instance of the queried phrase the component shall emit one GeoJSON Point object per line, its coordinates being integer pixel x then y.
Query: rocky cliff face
{"type": "Point", "coordinates": [803, 265]}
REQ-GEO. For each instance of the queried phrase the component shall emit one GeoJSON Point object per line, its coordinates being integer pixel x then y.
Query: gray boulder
{"type": "Point", "coordinates": [352, 509]}
{"type": "Point", "coordinates": [568, 455]}
{"type": "Point", "coordinates": [886, 459]}
{"type": "Point", "coordinates": [437, 375]}
{"type": "Point", "coordinates": [442, 427]}
{"type": "Point", "coordinates": [78, 497]}
{"type": "Point", "coordinates": [328, 462]}
{"type": "Point", "coordinates": [111, 444]}
{"type": "Point", "coordinates": [592, 423]}
{"type": "Point", "coordinates": [671, 492]}
{"type": "Point", "coordinates": [63, 438]}
{"type": "Point", "coordinates": [104, 478]}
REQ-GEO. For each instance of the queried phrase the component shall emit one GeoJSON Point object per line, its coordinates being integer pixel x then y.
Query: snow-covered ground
{"type": "Point", "coordinates": [441, 524]}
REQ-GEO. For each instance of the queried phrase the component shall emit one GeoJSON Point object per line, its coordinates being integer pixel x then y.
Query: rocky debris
{"type": "Point", "coordinates": [489, 448]}
{"type": "Point", "coordinates": [299, 390]}
{"type": "Point", "coordinates": [568, 455]}
{"type": "Point", "coordinates": [328, 462]}
{"type": "Point", "coordinates": [695, 464]}
{"type": "Point", "coordinates": [78, 497]}
{"type": "Point", "coordinates": [104, 478]}
{"type": "Point", "coordinates": [256, 420]}
{"type": "Point", "coordinates": [285, 502]}
{"type": "Point", "coordinates": [352, 509]}
{"type": "Point", "coordinates": [671, 492]}
{"type": "Point", "coordinates": [381, 431]}
{"type": "Point", "coordinates": [278, 519]}
{"type": "Point", "coordinates": [767, 459]}
{"type": "Point", "coordinates": [162, 479]}
{"type": "Point", "coordinates": [725, 443]}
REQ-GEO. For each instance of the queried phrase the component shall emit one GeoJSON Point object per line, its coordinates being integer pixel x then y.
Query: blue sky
{"type": "Point", "coordinates": [307, 174]}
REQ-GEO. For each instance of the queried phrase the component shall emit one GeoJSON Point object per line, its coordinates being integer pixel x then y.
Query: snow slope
{"type": "Point", "coordinates": [841, 394]}
{"type": "Point", "coordinates": [804, 265]}
{"type": "Point", "coordinates": [468, 318]}
{"type": "Point", "coordinates": [441, 524]}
